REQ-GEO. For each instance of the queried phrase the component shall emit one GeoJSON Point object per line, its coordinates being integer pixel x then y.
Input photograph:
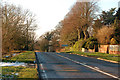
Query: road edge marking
{"type": "Point", "coordinates": [98, 70]}
{"type": "Point", "coordinates": [97, 58]}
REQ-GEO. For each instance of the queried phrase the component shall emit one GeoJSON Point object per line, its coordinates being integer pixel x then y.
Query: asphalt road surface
{"type": "Point", "coordinates": [53, 66]}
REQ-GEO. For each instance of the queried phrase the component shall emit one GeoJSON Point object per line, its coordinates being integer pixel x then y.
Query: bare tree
{"type": "Point", "coordinates": [104, 35]}
{"type": "Point", "coordinates": [77, 21]}
{"type": "Point", "coordinates": [17, 24]}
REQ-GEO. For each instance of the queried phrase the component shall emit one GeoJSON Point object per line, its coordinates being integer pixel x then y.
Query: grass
{"type": "Point", "coordinates": [23, 72]}
{"type": "Point", "coordinates": [27, 57]}
{"type": "Point", "coordinates": [113, 57]}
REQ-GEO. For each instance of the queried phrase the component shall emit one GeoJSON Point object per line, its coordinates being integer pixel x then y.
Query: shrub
{"type": "Point", "coordinates": [78, 45]}
{"type": "Point", "coordinates": [90, 43]}
{"type": "Point", "coordinates": [113, 41]}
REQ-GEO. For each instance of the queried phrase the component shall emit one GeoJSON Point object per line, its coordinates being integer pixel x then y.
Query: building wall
{"type": "Point", "coordinates": [104, 49]}
{"type": "Point", "coordinates": [111, 49]}
{"type": "Point", "coordinates": [114, 49]}
{"type": "Point", "coordinates": [91, 50]}
{"type": "Point", "coordinates": [114, 52]}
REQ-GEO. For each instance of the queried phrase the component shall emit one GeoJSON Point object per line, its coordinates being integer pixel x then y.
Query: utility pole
{"type": "Point", "coordinates": [50, 44]}
{"type": "Point", "coordinates": [27, 35]}
{"type": "Point", "coordinates": [119, 4]}
{"type": "Point", "coordinates": [0, 40]}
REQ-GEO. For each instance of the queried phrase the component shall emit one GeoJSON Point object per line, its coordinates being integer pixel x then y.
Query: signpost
{"type": "Point", "coordinates": [64, 45]}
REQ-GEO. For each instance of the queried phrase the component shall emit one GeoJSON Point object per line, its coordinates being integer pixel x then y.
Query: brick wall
{"type": "Point", "coordinates": [111, 49]}
{"type": "Point", "coordinates": [103, 49]}
{"type": "Point", "coordinates": [91, 50]}
{"type": "Point", "coordinates": [114, 49]}
{"type": "Point", "coordinates": [114, 52]}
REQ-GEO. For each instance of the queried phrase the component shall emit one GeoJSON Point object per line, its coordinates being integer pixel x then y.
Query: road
{"type": "Point", "coordinates": [70, 66]}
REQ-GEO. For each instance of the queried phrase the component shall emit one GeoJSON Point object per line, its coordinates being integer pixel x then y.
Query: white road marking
{"type": "Point", "coordinates": [94, 68]}
{"type": "Point", "coordinates": [44, 75]}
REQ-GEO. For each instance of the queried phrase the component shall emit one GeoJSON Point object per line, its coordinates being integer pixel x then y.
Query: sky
{"type": "Point", "coordinates": [50, 12]}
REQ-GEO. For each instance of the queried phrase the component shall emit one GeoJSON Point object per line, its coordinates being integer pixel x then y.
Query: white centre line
{"type": "Point", "coordinates": [94, 68]}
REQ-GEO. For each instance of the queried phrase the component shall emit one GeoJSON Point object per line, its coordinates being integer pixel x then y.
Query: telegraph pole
{"type": "Point", "coordinates": [0, 39]}
{"type": "Point", "coordinates": [118, 4]}
{"type": "Point", "coordinates": [27, 35]}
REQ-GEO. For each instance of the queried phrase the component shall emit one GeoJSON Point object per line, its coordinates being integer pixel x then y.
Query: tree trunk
{"type": "Point", "coordinates": [78, 34]}
{"type": "Point", "coordinates": [85, 35]}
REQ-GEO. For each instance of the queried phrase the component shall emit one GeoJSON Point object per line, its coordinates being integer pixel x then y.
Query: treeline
{"type": "Point", "coordinates": [50, 41]}
{"type": "Point", "coordinates": [83, 28]}
{"type": "Point", "coordinates": [18, 27]}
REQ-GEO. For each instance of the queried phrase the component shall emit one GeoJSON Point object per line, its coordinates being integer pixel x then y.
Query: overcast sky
{"type": "Point", "coordinates": [50, 12]}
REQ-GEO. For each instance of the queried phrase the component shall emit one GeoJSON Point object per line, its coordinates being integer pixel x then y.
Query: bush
{"type": "Point", "coordinates": [78, 45]}
{"type": "Point", "coordinates": [113, 41]}
{"type": "Point", "coordinates": [90, 43]}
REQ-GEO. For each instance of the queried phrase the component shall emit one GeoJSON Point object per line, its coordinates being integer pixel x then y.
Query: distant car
{"type": "Point", "coordinates": [14, 54]}
{"type": "Point", "coordinates": [7, 56]}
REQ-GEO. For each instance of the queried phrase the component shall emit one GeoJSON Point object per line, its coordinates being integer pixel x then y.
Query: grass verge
{"type": "Point", "coordinates": [27, 57]}
{"type": "Point", "coordinates": [19, 72]}
{"type": "Point", "coordinates": [113, 57]}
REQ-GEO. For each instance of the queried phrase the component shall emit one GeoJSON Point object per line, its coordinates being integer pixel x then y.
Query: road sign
{"type": "Point", "coordinates": [64, 45]}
